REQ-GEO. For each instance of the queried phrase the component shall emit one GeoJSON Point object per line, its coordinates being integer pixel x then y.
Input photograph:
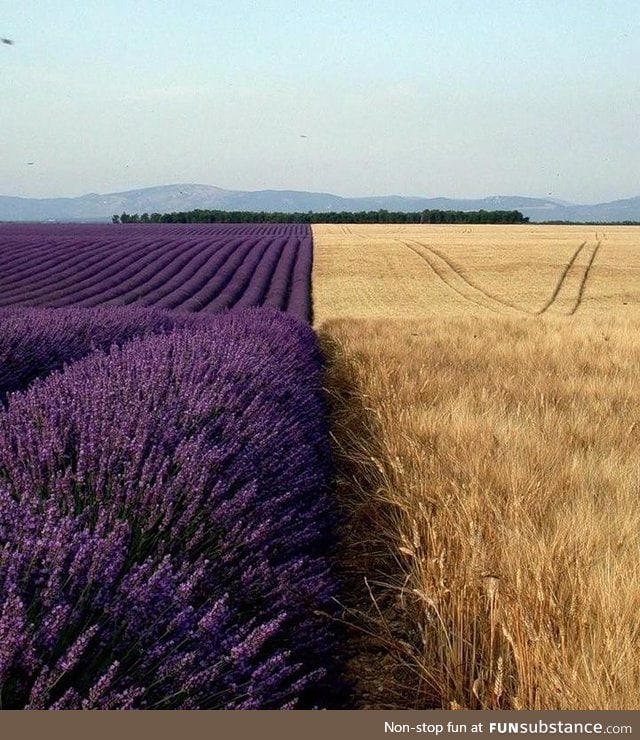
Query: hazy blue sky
{"type": "Point", "coordinates": [411, 97]}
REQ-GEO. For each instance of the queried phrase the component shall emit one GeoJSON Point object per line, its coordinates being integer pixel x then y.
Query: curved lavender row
{"type": "Point", "coordinates": [54, 261]}
{"type": "Point", "coordinates": [260, 278]}
{"type": "Point", "coordinates": [56, 286]}
{"type": "Point", "coordinates": [37, 341]}
{"type": "Point", "coordinates": [189, 295]}
{"type": "Point", "coordinates": [167, 283]}
{"type": "Point", "coordinates": [171, 260]}
{"type": "Point", "coordinates": [166, 518]}
{"type": "Point", "coordinates": [210, 267]}
{"type": "Point", "coordinates": [277, 295]}
{"type": "Point", "coordinates": [124, 261]}
{"type": "Point", "coordinates": [29, 243]}
{"type": "Point", "coordinates": [123, 287]}
{"type": "Point", "coordinates": [239, 280]}
{"type": "Point", "coordinates": [300, 304]}
{"type": "Point", "coordinates": [40, 267]}
{"type": "Point", "coordinates": [17, 258]}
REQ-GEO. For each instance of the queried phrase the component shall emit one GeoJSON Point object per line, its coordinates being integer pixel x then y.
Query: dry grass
{"type": "Point", "coordinates": [489, 468]}
{"type": "Point", "coordinates": [434, 271]}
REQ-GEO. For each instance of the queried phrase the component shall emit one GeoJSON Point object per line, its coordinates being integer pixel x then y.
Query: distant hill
{"type": "Point", "coordinates": [167, 198]}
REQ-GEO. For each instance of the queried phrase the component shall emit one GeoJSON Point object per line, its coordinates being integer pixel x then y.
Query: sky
{"type": "Point", "coordinates": [354, 97]}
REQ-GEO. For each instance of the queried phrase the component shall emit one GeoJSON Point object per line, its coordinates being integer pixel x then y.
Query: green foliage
{"type": "Point", "coordinates": [343, 217]}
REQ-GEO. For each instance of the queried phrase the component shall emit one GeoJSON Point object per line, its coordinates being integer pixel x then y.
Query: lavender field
{"type": "Point", "coordinates": [199, 267]}
{"type": "Point", "coordinates": [167, 522]}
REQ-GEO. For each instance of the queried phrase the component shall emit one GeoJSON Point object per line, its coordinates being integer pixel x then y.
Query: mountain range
{"type": "Point", "coordinates": [186, 197]}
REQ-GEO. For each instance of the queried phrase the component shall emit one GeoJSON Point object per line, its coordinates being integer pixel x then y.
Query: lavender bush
{"type": "Point", "coordinates": [166, 525]}
{"type": "Point", "coordinates": [37, 341]}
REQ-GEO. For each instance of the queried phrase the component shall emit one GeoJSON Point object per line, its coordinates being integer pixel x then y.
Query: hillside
{"type": "Point", "coordinates": [185, 197]}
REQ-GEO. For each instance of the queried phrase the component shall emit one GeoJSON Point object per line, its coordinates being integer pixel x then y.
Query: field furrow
{"type": "Point", "coordinates": [585, 278]}
{"type": "Point", "coordinates": [190, 267]}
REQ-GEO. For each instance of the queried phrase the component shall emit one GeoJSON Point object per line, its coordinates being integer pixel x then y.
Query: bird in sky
{"type": "Point", "coordinates": [9, 42]}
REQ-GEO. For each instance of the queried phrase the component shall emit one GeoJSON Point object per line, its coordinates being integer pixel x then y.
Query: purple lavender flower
{"type": "Point", "coordinates": [166, 524]}
{"type": "Point", "coordinates": [190, 267]}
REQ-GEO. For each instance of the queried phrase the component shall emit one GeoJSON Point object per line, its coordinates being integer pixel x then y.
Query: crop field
{"type": "Point", "coordinates": [167, 524]}
{"type": "Point", "coordinates": [422, 271]}
{"type": "Point", "coordinates": [428, 497]}
{"type": "Point", "coordinates": [204, 267]}
{"type": "Point", "coordinates": [485, 393]}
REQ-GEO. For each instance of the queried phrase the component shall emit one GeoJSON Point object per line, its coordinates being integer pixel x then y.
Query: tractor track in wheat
{"type": "Point", "coordinates": [569, 269]}
{"type": "Point", "coordinates": [450, 275]}
{"type": "Point", "coordinates": [562, 279]}
{"type": "Point", "coordinates": [585, 278]}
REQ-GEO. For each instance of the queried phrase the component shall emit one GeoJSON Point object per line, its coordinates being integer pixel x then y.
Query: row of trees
{"type": "Point", "coordinates": [435, 216]}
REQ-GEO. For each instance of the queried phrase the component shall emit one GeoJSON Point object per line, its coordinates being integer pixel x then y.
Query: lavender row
{"type": "Point", "coordinates": [193, 268]}
{"type": "Point", "coordinates": [37, 341]}
{"type": "Point", "coordinates": [53, 277]}
{"type": "Point", "coordinates": [167, 525]}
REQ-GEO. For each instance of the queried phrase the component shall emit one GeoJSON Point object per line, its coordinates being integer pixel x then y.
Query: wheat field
{"type": "Point", "coordinates": [371, 271]}
{"type": "Point", "coordinates": [485, 395]}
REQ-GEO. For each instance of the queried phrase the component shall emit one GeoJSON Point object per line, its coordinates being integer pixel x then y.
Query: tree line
{"type": "Point", "coordinates": [433, 216]}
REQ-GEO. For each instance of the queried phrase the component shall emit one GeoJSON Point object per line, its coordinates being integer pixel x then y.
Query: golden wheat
{"type": "Point", "coordinates": [488, 465]}
{"type": "Point", "coordinates": [417, 271]}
